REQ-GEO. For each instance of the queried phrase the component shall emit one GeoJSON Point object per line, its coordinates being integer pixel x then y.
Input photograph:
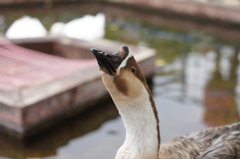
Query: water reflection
{"type": "Point", "coordinates": [212, 78]}
{"type": "Point", "coordinates": [48, 143]}
{"type": "Point", "coordinates": [221, 91]}
{"type": "Point", "coordinates": [198, 69]}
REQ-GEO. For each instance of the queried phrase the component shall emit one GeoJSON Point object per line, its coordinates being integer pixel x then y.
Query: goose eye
{"type": "Point", "coordinates": [133, 70]}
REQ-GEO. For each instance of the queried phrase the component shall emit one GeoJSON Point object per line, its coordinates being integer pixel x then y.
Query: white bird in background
{"type": "Point", "coordinates": [87, 28]}
{"type": "Point", "coordinates": [128, 88]}
{"type": "Point", "coordinates": [26, 27]}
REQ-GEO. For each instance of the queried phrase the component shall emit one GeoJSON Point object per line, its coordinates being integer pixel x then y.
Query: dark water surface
{"type": "Point", "coordinates": [196, 85]}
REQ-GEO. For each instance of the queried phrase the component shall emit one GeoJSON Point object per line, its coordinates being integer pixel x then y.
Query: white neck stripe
{"type": "Point", "coordinates": [124, 62]}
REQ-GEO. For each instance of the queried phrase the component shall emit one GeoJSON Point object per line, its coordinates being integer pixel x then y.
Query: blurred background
{"type": "Point", "coordinates": [196, 80]}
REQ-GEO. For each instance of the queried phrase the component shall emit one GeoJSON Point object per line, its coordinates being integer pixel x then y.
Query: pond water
{"type": "Point", "coordinates": [196, 84]}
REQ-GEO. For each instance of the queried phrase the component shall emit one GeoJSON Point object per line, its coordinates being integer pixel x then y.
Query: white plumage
{"type": "Point", "coordinates": [26, 27]}
{"type": "Point", "coordinates": [85, 28]}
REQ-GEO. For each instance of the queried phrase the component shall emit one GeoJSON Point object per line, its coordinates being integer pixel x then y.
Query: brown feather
{"type": "Point", "coordinates": [212, 143]}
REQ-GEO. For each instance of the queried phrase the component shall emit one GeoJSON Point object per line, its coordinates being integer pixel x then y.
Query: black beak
{"type": "Point", "coordinates": [107, 62]}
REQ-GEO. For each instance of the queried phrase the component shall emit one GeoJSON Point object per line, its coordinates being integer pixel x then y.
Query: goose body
{"type": "Point", "coordinates": [128, 88]}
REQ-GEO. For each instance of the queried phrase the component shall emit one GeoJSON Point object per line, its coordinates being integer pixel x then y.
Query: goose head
{"type": "Point", "coordinates": [121, 73]}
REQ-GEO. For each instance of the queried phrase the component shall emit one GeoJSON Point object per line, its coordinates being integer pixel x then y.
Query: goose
{"type": "Point", "coordinates": [127, 87]}
{"type": "Point", "coordinates": [86, 28]}
{"type": "Point", "coordinates": [26, 27]}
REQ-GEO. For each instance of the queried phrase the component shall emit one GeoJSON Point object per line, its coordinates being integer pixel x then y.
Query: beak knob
{"type": "Point", "coordinates": [95, 51]}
